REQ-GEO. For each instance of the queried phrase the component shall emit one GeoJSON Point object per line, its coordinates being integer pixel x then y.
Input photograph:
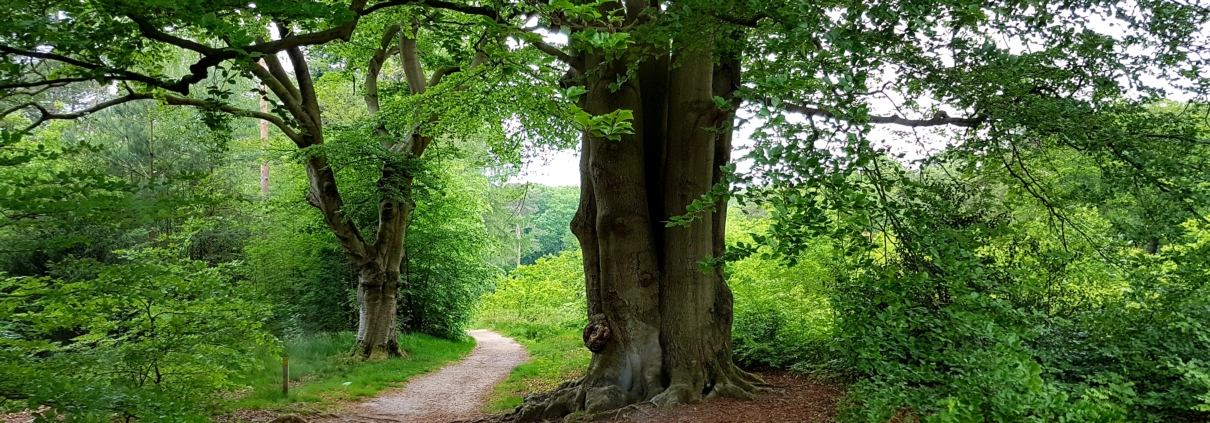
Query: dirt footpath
{"type": "Point", "coordinates": [456, 392]}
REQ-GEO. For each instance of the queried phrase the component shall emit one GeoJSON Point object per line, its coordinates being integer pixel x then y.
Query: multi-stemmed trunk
{"type": "Point", "coordinates": [659, 326]}
{"type": "Point", "coordinates": [376, 263]}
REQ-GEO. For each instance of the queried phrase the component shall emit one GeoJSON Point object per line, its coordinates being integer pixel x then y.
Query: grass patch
{"type": "Point", "coordinates": [557, 355]}
{"type": "Point", "coordinates": [321, 372]}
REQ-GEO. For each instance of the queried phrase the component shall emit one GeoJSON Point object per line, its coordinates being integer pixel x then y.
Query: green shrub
{"type": "Point", "coordinates": [782, 315]}
{"type": "Point", "coordinates": [542, 299]}
{"type": "Point", "coordinates": [444, 272]}
{"type": "Point", "coordinates": [1147, 349]}
{"type": "Point", "coordinates": [322, 372]}
{"type": "Point", "coordinates": [297, 262]}
{"type": "Point", "coordinates": [154, 337]}
{"type": "Point", "coordinates": [939, 324]}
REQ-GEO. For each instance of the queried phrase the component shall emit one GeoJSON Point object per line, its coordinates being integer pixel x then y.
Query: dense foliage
{"type": "Point", "coordinates": [144, 274]}
{"type": "Point", "coordinates": [540, 299]}
{"type": "Point", "coordinates": [152, 336]}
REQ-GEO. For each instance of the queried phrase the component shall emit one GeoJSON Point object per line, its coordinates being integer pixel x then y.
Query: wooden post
{"type": "Point", "coordinates": [285, 375]}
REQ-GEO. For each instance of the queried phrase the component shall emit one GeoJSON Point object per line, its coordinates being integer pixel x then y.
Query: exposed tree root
{"type": "Point", "coordinates": [366, 351]}
{"type": "Point", "coordinates": [578, 402]}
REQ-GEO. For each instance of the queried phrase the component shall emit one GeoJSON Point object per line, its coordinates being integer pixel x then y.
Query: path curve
{"type": "Point", "coordinates": [456, 392]}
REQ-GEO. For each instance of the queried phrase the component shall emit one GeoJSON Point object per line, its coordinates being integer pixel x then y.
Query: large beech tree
{"type": "Point", "coordinates": [659, 324]}
{"type": "Point", "coordinates": [656, 84]}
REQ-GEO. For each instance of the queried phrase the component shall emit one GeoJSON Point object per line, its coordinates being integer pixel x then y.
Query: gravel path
{"type": "Point", "coordinates": [455, 392]}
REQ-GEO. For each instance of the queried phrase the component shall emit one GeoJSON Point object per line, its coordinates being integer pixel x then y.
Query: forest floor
{"type": "Point", "coordinates": [459, 391]}
{"type": "Point", "coordinates": [791, 398]}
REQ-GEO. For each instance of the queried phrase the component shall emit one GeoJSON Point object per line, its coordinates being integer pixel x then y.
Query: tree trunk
{"type": "Point", "coordinates": [659, 327]}
{"type": "Point", "coordinates": [377, 333]}
{"type": "Point", "coordinates": [1153, 246]}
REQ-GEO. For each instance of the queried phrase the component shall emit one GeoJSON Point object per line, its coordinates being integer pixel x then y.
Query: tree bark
{"type": "Point", "coordinates": [377, 331]}
{"type": "Point", "coordinates": [659, 327]}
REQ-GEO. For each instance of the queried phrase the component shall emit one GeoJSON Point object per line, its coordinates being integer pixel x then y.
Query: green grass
{"type": "Point", "coordinates": [320, 367]}
{"type": "Point", "coordinates": [556, 355]}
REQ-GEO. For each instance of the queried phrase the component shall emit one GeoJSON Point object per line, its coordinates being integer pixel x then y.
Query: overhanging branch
{"type": "Point", "coordinates": [46, 115]}
{"type": "Point", "coordinates": [749, 22]}
{"type": "Point", "coordinates": [941, 119]}
{"type": "Point", "coordinates": [150, 31]}
{"type": "Point", "coordinates": [48, 82]}
{"type": "Point", "coordinates": [559, 54]}
{"type": "Point", "coordinates": [437, 4]}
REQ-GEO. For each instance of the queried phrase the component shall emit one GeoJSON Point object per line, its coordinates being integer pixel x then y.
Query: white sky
{"type": "Point", "coordinates": [559, 169]}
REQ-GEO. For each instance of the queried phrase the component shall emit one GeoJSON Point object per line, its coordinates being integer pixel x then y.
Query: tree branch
{"type": "Point", "coordinates": [268, 117]}
{"type": "Point", "coordinates": [409, 57]}
{"type": "Point", "coordinates": [293, 105]}
{"type": "Point", "coordinates": [749, 22]}
{"type": "Point", "coordinates": [306, 88]}
{"type": "Point", "coordinates": [939, 120]}
{"type": "Point", "coordinates": [49, 82]}
{"type": "Point", "coordinates": [559, 54]}
{"type": "Point", "coordinates": [121, 74]}
{"type": "Point", "coordinates": [441, 73]}
{"type": "Point", "coordinates": [384, 51]}
{"type": "Point", "coordinates": [150, 31]}
{"type": "Point", "coordinates": [47, 115]}
{"type": "Point", "coordinates": [279, 73]}
{"type": "Point", "coordinates": [437, 4]}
